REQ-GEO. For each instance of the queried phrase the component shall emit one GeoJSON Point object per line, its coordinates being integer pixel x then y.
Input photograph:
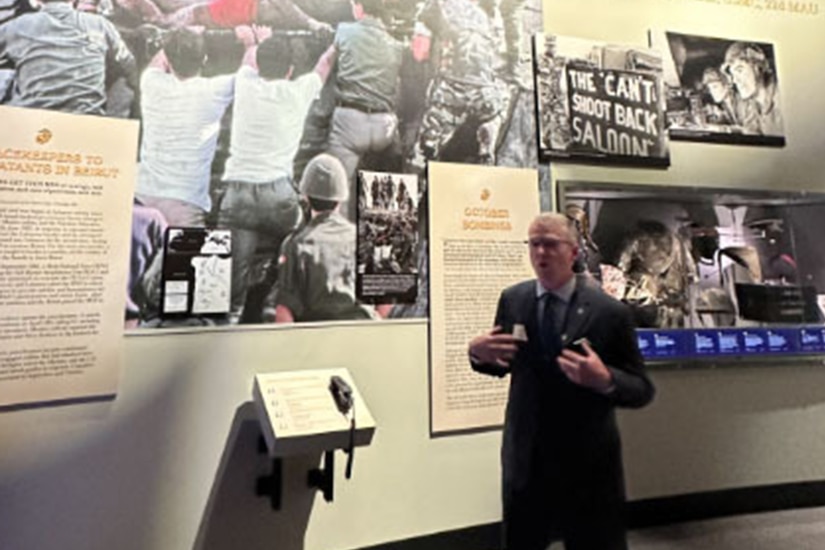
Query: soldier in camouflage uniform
{"type": "Point", "coordinates": [659, 272]}
{"type": "Point", "coordinates": [517, 55]}
{"type": "Point", "coordinates": [466, 86]}
{"type": "Point", "coordinates": [316, 280]}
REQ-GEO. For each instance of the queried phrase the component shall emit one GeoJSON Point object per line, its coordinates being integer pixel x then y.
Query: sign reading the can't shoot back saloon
{"type": "Point", "coordinates": [600, 103]}
{"type": "Point", "coordinates": [615, 113]}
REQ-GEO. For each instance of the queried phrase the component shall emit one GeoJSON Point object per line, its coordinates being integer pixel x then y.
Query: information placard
{"type": "Point", "coordinates": [66, 185]}
{"type": "Point", "coordinates": [299, 413]}
{"type": "Point", "coordinates": [478, 230]}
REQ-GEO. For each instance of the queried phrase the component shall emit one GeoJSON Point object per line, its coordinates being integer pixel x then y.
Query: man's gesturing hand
{"type": "Point", "coordinates": [586, 370]}
{"type": "Point", "coordinates": [494, 347]}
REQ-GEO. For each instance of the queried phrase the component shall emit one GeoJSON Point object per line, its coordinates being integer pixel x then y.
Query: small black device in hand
{"type": "Point", "coordinates": [578, 346]}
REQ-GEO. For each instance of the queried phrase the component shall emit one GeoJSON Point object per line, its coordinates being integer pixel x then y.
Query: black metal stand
{"type": "Point", "coordinates": [321, 479]}
{"type": "Point", "coordinates": [318, 478]}
{"type": "Point", "coordinates": [272, 485]}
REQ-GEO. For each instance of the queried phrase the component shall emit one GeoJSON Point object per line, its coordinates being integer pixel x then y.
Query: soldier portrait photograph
{"type": "Point", "coordinates": [721, 90]}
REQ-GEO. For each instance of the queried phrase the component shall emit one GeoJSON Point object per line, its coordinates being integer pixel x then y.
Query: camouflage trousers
{"type": "Point", "coordinates": [453, 104]}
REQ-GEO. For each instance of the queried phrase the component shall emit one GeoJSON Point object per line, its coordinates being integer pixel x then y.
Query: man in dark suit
{"type": "Point", "coordinates": [561, 453]}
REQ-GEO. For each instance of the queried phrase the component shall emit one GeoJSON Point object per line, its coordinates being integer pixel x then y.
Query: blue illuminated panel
{"type": "Point", "coordinates": [663, 344]}
{"type": "Point", "coordinates": [730, 342]}
{"type": "Point", "coordinates": [783, 340]}
{"type": "Point", "coordinates": [755, 340]}
{"type": "Point", "coordinates": [675, 344]}
{"type": "Point", "coordinates": [705, 342]}
{"type": "Point", "coordinates": [812, 339]}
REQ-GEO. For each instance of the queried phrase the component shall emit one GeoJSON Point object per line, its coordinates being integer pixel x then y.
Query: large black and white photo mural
{"type": "Point", "coordinates": [599, 102]}
{"type": "Point", "coordinates": [237, 97]}
{"type": "Point", "coordinates": [721, 90]}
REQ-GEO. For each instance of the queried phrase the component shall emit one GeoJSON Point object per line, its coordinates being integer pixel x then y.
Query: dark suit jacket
{"type": "Point", "coordinates": [561, 449]}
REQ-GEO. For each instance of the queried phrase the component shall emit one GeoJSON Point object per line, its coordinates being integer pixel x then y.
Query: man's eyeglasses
{"type": "Point", "coordinates": [547, 243]}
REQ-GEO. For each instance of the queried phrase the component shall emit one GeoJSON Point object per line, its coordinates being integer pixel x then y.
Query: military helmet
{"type": "Point", "coordinates": [325, 178]}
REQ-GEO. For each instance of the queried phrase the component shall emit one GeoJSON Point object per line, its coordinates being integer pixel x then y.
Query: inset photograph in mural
{"type": "Point", "coordinates": [197, 271]}
{"type": "Point", "coordinates": [388, 238]}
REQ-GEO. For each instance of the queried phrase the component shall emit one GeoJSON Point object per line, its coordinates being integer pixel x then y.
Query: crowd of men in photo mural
{"type": "Point", "coordinates": [236, 97]}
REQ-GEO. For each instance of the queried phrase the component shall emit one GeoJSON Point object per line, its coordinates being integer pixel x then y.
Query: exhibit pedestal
{"type": "Point", "coordinates": [307, 412]}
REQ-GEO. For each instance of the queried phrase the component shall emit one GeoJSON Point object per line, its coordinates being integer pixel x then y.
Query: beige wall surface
{"type": "Point", "coordinates": [172, 463]}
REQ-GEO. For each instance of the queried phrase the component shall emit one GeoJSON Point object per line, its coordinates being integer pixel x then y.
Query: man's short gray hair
{"type": "Point", "coordinates": [556, 220]}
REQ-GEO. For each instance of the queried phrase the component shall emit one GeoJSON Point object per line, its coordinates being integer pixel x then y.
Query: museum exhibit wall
{"type": "Point", "coordinates": [741, 425]}
{"type": "Point", "coordinates": [172, 462]}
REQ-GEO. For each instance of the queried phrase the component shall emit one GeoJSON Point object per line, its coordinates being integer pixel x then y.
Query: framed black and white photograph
{"type": "Point", "coordinates": [388, 238]}
{"type": "Point", "coordinates": [721, 90]}
{"type": "Point", "coordinates": [599, 102]}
